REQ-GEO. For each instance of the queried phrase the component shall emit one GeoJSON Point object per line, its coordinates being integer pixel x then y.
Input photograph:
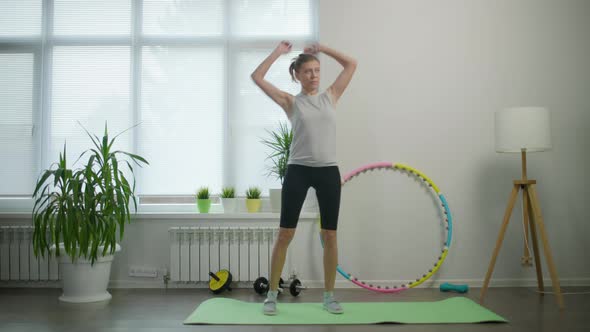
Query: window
{"type": "Point", "coordinates": [17, 139]}
{"type": "Point", "coordinates": [182, 109]}
{"type": "Point", "coordinates": [90, 86]}
{"type": "Point", "coordinates": [179, 68]}
{"type": "Point", "coordinates": [252, 114]}
{"type": "Point", "coordinates": [20, 32]}
{"type": "Point", "coordinates": [20, 19]}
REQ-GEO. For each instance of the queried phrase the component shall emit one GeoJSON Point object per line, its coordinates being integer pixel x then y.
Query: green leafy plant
{"type": "Point", "coordinates": [253, 193]}
{"type": "Point", "coordinates": [228, 192]}
{"type": "Point", "coordinates": [203, 193]}
{"type": "Point", "coordinates": [279, 142]}
{"type": "Point", "coordinates": [84, 208]}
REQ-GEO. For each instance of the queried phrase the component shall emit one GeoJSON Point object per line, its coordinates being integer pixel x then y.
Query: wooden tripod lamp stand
{"type": "Point", "coordinates": [522, 130]}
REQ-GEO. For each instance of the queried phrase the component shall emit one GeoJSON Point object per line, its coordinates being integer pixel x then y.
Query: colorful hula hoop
{"type": "Point", "coordinates": [447, 219]}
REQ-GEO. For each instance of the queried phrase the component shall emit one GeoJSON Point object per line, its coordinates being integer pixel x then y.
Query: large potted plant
{"type": "Point", "coordinates": [80, 215]}
{"type": "Point", "coordinates": [279, 142]}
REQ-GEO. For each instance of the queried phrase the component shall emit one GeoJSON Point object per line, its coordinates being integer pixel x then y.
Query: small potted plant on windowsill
{"type": "Point", "coordinates": [253, 199]}
{"type": "Point", "coordinates": [279, 143]}
{"type": "Point", "coordinates": [228, 199]}
{"type": "Point", "coordinates": [203, 200]}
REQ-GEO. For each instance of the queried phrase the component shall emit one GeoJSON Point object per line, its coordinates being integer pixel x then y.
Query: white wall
{"type": "Point", "coordinates": [430, 76]}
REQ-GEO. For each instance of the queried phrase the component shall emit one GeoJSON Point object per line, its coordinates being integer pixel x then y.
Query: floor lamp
{"type": "Point", "coordinates": [522, 130]}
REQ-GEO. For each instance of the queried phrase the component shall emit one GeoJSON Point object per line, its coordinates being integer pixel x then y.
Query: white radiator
{"type": "Point", "coordinates": [17, 260]}
{"type": "Point", "coordinates": [244, 251]}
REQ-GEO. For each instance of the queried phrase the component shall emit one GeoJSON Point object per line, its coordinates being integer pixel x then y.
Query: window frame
{"type": "Point", "coordinates": [42, 47]}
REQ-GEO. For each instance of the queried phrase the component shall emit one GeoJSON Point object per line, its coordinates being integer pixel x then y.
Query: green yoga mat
{"type": "Point", "coordinates": [453, 310]}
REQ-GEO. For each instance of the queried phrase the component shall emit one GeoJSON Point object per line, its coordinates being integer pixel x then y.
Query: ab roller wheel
{"type": "Point", "coordinates": [220, 281]}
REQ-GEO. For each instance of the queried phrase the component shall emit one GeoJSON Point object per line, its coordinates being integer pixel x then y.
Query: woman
{"type": "Point", "coordinates": [312, 159]}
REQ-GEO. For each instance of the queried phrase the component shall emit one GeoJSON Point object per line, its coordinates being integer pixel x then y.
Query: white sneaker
{"type": "Point", "coordinates": [270, 307]}
{"type": "Point", "coordinates": [333, 306]}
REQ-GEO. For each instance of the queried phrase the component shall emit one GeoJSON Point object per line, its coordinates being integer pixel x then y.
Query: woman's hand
{"type": "Point", "coordinates": [312, 49]}
{"type": "Point", "coordinates": [284, 47]}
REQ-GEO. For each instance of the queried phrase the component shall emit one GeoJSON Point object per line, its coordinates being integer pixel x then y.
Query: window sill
{"type": "Point", "coordinates": [21, 208]}
{"type": "Point", "coordinates": [259, 216]}
{"type": "Point", "coordinates": [309, 212]}
{"type": "Point", "coordinates": [270, 216]}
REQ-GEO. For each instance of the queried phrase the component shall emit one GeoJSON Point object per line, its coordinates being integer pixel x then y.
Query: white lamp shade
{"type": "Point", "coordinates": [519, 128]}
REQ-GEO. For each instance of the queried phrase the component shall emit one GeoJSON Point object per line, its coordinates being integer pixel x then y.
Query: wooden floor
{"type": "Point", "coordinates": [29, 309]}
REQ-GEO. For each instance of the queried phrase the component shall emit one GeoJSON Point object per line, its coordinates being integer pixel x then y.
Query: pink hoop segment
{"type": "Point", "coordinates": [365, 168]}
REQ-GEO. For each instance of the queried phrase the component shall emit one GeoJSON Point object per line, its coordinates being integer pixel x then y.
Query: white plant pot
{"type": "Point", "coordinates": [275, 199]}
{"type": "Point", "coordinates": [229, 204]}
{"type": "Point", "coordinates": [82, 282]}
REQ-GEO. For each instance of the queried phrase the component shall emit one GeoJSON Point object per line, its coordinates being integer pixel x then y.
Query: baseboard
{"type": "Point", "coordinates": [341, 284]}
{"type": "Point", "coordinates": [571, 282]}
{"type": "Point", "coordinates": [30, 284]}
{"type": "Point", "coordinates": [476, 283]}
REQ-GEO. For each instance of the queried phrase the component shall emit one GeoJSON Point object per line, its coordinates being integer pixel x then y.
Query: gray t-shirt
{"type": "Point", "coordinates": [313, 119]}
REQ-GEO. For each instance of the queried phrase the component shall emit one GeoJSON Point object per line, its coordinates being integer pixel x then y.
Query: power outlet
{"type": "Point", "coordinates": [143, 271]}
{"type": "Point", "coordinates": [526, 261]}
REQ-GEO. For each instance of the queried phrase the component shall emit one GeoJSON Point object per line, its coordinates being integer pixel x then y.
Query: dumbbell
{"type": "Point", "coordinates": [261, 286]}
{"type": "Point", "coordinates": [446, 287]}
{"type": "Point", "coordinates": [295, 287]}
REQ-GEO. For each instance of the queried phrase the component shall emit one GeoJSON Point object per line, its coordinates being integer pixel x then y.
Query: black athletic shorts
{"type": "Point", "coordinates": [325, 181]}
